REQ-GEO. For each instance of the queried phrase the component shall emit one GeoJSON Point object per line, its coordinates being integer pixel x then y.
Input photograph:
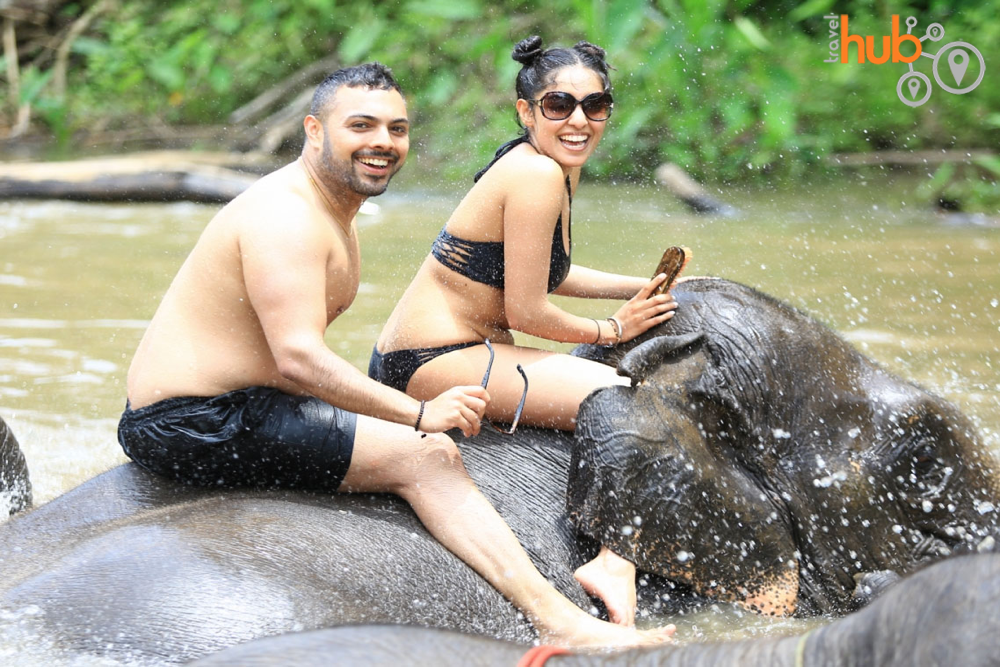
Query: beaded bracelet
{"type": "Point", "coordinates": [619, 329]}
{"type": "Point", "coordinates": [420, 415]}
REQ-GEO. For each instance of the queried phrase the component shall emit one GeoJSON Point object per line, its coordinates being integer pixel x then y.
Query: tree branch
{"type": "Point", "coordinates": [62, 53]}
{"type": "Point", "coordinates": [260, 104]}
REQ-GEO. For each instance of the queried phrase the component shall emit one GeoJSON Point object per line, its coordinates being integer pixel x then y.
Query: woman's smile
{"type": "Point", "coordinates": [574, 141]}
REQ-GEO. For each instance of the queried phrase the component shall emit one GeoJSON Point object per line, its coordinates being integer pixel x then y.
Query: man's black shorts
{"type": "Point", "coordinates": [258, 437]}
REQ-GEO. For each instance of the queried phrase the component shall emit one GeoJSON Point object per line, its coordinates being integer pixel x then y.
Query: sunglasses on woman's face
{"type": "Point", "coordinates": [560, 106]}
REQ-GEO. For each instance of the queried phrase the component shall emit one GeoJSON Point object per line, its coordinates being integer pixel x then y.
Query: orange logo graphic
{"type": "Point", "coordinates": [964, 60]}
{"type": "Point", "coordinates": [866, 45]}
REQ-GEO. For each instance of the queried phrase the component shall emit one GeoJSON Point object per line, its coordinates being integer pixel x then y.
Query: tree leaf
{"type": "Point", "coordinates": [624, 20]}
{"type": "Point", "coordinates": [809, 9]}
{"type": "Point", "coordinates": [753, 35]}
{"type": "Point", "coordinates": [359, 40]}
{"type": "Point", "coordinates": [454, 10]}
{"type": "Point", "coordinates": [166, 73]}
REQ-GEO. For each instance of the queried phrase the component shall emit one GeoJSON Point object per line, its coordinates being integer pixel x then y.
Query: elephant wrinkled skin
{"type": "Point", "coordinates": [753, 444]}
{"type": "Point", "coordinates": [939, 616]}
{"type": "Point", "coordinates": [15, 488]}
{"type": "Point", "coordinates": [761, 459]}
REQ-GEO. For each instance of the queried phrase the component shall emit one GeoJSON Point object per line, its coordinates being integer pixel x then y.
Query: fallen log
{"type": "Point", "coordinates": [691, 192]}
{"type": "Point", "coordinates": [908, 158]}
{"type": "Point", "coordinates": [162, 176]}
{"type": "Point", "coordinates": [145, 177]}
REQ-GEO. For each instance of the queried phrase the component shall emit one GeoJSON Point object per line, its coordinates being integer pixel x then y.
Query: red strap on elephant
{"type": "Point", "coordinates": [537, 655]}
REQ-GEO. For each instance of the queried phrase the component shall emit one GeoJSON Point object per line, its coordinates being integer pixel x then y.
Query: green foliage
{"type": "Point", "coordinates": [193, 61]}
{"type": "Point", "coordinates": [728, 89]}
{"type": "Point", "coordinates": [973, 187]}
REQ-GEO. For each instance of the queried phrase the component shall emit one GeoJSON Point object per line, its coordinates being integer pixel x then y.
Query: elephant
{"type": "Point", "coordinates": [132, 566]}
{"type": "Point", "coordinates": [761, 459]}
{"type": "Point", "coordinates": [940, 615]}
{"type": "Point", "coordinates": [15, 487]}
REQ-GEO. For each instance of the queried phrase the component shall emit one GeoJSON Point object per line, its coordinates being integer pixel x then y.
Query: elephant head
{"type": "Point", "coordinates": [759, 458]}
{"type": "Point", "coordinates": [15, 489]}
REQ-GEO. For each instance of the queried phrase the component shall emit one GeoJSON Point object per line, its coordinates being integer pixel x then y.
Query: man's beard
{"type": "Point", "coordinates": [344, 174]}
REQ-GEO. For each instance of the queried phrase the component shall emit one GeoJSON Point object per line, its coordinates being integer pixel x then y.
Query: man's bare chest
{"type": "Point", "coordinates": [343, 276]}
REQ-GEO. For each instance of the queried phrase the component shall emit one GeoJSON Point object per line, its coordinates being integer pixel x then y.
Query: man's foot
{"type": "Point", "coordinates": [612, 579]}
{"type": "Point", "coordinates": [586, 631]}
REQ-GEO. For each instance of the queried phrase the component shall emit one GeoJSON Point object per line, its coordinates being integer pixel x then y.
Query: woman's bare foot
{"type": "Point", "coordinates": [612, 579]}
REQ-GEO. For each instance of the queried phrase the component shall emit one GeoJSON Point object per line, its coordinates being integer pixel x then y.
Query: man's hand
{"type": "Point", "coordinates": [459, 407]}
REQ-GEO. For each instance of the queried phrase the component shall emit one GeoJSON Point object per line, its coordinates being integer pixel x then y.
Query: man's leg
{"type": "Point", "coordinates": [558, 383]}
{"type": "Point", "coordinates": [427, 471]}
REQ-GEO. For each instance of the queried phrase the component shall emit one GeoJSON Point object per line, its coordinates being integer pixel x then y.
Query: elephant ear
{"type": "Point", "coordinates": [642, 361]}
{"type": "Point", "coordinates": [15, 488]}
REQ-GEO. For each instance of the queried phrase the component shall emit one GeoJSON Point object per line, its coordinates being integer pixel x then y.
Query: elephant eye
{"type": "Point", "coordinates": [924, 461]}
{"type": "Point", "coordinates": [927, 471]}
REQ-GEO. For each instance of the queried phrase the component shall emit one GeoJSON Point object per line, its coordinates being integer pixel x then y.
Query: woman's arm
{"type": "Point", "coordinates": [586, 283]}
{"type": "Point", "coordinates": [535, 196]}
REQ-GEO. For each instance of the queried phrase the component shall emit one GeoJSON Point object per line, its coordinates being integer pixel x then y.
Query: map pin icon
{"type": "Point", "coordinates": [914, 86]}
{"type": "Point", "coordinates": [958, 62]}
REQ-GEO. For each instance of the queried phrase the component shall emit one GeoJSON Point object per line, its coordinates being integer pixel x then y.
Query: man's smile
{"type": "Point", "coordinates": [377, 165]}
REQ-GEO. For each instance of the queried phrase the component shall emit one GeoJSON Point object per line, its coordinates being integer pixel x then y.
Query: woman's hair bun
{"type": "Point", "coordinates": [591, 50]}
{"type": "Point", "coordinates": [527, 50]}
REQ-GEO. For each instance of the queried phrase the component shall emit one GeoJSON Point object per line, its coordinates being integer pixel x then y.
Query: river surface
{"type": "Point", "coordinates": [79, 283]}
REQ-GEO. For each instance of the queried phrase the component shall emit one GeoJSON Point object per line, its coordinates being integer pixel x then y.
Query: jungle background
{"type": "Point", "coordinates": [733, 91]}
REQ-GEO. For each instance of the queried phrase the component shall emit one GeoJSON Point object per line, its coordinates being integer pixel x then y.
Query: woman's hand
{"type": "Point", "coordinates": [459, 407]}
{"type": "Point", "coordinates": [642, 312]}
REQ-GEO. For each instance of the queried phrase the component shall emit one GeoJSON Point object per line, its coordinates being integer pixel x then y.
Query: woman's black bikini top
{"type": "Point", "coordinates": [482, 261]}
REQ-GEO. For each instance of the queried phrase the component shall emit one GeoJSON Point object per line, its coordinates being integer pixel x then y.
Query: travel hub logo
{"type": "Point", "coordinates": [913, 88]}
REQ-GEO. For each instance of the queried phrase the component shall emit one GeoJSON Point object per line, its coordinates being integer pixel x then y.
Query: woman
{"type": "Point", "coordinates": [503, 251]}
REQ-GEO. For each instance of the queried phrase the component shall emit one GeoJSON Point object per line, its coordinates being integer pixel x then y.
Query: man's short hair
{"type": "Point", "coordinates": [372, 75]}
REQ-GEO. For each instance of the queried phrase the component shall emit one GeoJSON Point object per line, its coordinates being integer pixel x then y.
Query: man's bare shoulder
{"type": "Point", "coordinates": [278, 206]}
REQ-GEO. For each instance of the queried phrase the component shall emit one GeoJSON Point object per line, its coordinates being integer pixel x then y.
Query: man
{"type": "Point", "coordinates": [233, 384]}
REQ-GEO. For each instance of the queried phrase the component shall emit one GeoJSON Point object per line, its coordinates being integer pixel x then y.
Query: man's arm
{"type": "Point", "coordinates": [285, 270]}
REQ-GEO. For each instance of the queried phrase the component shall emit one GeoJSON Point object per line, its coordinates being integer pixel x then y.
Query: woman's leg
{"type": "Point", "coordinates": [558, 383]}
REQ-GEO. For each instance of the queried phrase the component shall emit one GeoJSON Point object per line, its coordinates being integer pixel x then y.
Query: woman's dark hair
{"type": "Point", "coordinates": [538, 65]}
{"type": "Point", "coordinates": [373, 75]}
